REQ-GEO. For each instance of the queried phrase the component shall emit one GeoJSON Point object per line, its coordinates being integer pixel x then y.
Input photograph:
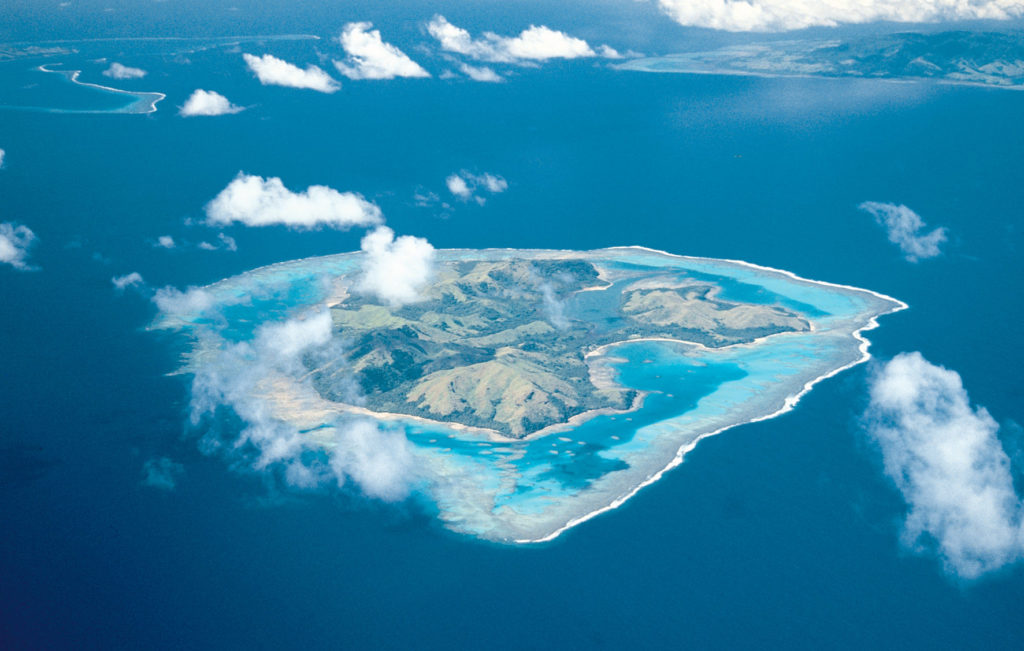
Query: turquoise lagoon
{"type": "Point", "coordinates": [533, 489]}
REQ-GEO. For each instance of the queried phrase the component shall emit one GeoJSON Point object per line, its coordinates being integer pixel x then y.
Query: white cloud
{"type": "Point", "coordinates": [276, 72]}
{"type": "Point", "coordinates": [424, 198]}
{"type": "Point", "coordinates": [234, 376]}
{"type": "Point", "coordinates": [395, 269]}
{"type": "Point", "coordinates": [255, 201]}
{"type": "Point", "coordinates": [15, 241]}
{"type": "Point", "coordinates": [493, 184]}
{"type": "Point", "coordinates": [554, 308]}
{"type": "Point", "coordinates": [537, 43]}
{"type": "Point", "coordinates": [782, 15]}
{"type": "Point", "coordinates": [165, 241]}
{"type": "Point", "coordinates": [2, 154]}
{"type": "Point", "coordinates": [480, 73]}
{"type": "Point", "coordinates": [286, 340]}
{"type": "Point", "coordinates": [183, 304]}
{"type": "Point", "coordinates": [226, 242]}
{"type": "Point", "coordinates": [369, 57]}
{"type": "Point", "coordinates": [945, 457]}
{"type": "Point", "coordinates": [541, 43]}
{"type": "Point", "coordinates": [904, 228]}
{"type": "Point", "coordinates": [379, 461]}
{"type": "Point", "coordinates": [465, 184]}
{"type": "Point", "coordinates": [458, 186]}
{"type": "Point", "coordinates": [134, 279]}
{"type": "Point", "coordinates": [208, 102]}
{"type": "Point", "coordinates": [162, 473]}
{"type": "Point", "coordinates": [118, 71]}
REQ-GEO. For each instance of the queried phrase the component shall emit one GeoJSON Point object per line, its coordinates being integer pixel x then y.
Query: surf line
{"type": "Point", "coordinates": [788, 403]}
{"type": "Point", "coordinates": [145, 102]}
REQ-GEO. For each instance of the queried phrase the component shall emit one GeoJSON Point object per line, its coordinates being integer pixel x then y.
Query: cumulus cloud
{"type": "Point", "coordinates": [255, 201]}
{"type": "Point", "coordinates": [182, 304]}
{"type": "Point", "coordinates": [378, 461]}
{"type": "Point", "coordinates": [458, 186]}
{"type": "Point", "coordinates": [608, 52]}
{"type": "Point", "coordinates": [369, 57]}
{"type": "Point", "coordinates": [165, 242]}
{"type": "Point", "coordinates": [782, 15]}
{"type": "Point", "coordinates": [480, 73]}
{"type": "Point", "coordinates": [493, 184]}
{"type": "Point", "coordinates": [537, 43]}
{"type": "Point", "coordinates": [224, 242]}
{"type": "Point", "coordinates": [118, 71]}
{"type": "Point", "coordinates": [945, 457]}
{"type": "Point", "coordinates": [162, 473]}
{"type": "Point", "coordinates": [284, 341]}
{"type": "Point", "coordinates": [904, 227]}
{"type": "Point", "coordinates": [2, 154]}
{"type": "Point", "coordinates": [15, 241]}
{"type": "Point", "coordinates": [464, 185]}
{"type": "Point", "coordinates": [395, 270]}
{"type": "Point", "coordinates": [121, 283]}
{"type": "Point", "coordinates": [208, 102]}
{"type": "Point", "coordinates": [276, 72]}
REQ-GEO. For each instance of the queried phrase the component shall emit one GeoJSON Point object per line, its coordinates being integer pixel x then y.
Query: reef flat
{"type": "Point", "coordinates": [534, 389]}
{"type": "Point", "coordinates": [141, 102]}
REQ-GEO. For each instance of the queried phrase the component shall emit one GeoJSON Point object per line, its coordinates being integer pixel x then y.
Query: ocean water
{"type": "Point", "coordinates": [778, 533]}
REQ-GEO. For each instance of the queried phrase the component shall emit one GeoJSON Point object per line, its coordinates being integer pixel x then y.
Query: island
{"type": "Point", "coordinates": [534, 389]}
{"type": "Point", "coordinates": [503, 345]}
{"type": "Point", "coordinates": [990, 59]}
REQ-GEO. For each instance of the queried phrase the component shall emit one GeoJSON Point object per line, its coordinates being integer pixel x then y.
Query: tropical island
{"type": "Point", "coordinates": [525, 391]}
{"type": "Point", "coordinates": [990, 59]}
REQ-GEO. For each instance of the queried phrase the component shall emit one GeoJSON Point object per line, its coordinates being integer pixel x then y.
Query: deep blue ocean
{"type": "Point", "coordinates": [783, 533]}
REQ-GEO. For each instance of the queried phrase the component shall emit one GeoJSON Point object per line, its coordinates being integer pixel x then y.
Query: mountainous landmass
{"type": "Point", "coordinates": [503, 344]}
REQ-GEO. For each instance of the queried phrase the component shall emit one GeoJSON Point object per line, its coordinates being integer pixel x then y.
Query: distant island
{"type": "Point", "coordinates": [993, 59]}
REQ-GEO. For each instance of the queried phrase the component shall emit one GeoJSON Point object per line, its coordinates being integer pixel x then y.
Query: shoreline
{"type": "Point", "coordinates": [142, 98]}
{"type": "Point", "coordinates": [494, 435]}
{"type": "Point", "coordinates": [577, 253]}
{"type": "Point", "coordinates": [789, 403]}
{"type": "Point", "coordinates": [735, 72]}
